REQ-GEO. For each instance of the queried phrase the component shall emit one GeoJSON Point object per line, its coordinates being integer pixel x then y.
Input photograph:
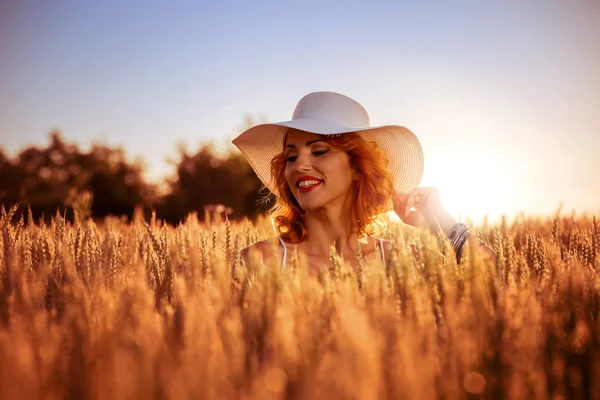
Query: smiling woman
{"type": "Point", "coordinates": [333, 176]}
{"type": "Point", "coordinates": [345, 172]}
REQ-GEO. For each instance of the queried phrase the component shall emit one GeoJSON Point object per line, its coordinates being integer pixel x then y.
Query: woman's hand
{"type": "Point", "coordinates": [428, 209]}
{"type": "Point", "coordinates": [428, 213]}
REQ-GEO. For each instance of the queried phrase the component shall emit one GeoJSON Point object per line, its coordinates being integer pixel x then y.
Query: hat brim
{"type": "Point", "coordinates": [400, 145]}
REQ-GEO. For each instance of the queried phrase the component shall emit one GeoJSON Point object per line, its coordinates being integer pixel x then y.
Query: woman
{"type": "Point", "coordinates": [333, 175]}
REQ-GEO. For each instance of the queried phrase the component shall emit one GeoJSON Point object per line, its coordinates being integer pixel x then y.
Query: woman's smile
{"type": "Point", "coordinates": [308, 186]}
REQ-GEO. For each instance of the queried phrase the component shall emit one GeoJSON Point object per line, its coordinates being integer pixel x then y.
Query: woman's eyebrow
{"type": "Point", "coordinates": [307, 143]}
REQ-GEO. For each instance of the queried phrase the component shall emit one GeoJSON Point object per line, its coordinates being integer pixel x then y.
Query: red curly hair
{"type": "Point", "coordinates": [369, 194]}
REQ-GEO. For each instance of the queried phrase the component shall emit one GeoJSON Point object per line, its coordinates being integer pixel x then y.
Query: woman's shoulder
{"type": "Point", "coordinates": [262, 246]}
{"type": "Point", "coordinates": [387, 243]}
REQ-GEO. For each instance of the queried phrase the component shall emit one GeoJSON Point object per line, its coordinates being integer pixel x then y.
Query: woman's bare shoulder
{"type": "Point", "coordinates": [262, 246]}
{"type": "Point", "coordinates": [388, 245]}
{"type": "Point", "coordinates": [413, 246]}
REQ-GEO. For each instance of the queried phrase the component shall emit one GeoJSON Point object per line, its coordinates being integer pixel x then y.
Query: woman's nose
{"type": "Point", "coordinates": [303, 162]}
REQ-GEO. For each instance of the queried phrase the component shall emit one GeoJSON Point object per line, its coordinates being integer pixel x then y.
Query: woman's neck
{"type": "Point", "coordinates": [326, 227]}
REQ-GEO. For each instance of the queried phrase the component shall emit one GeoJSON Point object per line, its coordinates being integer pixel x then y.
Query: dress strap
{"type": "Point", "coordinates": [382, 253]}
{"type": "Point", "coordinates": [284, 252]}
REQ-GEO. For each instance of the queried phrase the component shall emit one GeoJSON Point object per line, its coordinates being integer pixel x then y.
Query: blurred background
{"type": "Point", "coordinates": [109, 105]}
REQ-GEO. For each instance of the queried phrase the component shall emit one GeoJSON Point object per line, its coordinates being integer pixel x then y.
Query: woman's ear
{"type": "Point", "coordinates": [355, 175]}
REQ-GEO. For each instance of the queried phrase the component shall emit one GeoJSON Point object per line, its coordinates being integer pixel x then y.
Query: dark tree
{"type": "Point", "coordinates": [60, 175]}
{"type": "Point", "coordinates": [205, 178]}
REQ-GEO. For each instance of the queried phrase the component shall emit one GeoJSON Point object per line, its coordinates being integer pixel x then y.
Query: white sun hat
{"type": "Point", "coordinates": [329, 113]}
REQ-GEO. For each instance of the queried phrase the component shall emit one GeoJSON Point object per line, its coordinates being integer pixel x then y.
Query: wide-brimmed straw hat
{"type": "Point", "coordinates": [329, 113]}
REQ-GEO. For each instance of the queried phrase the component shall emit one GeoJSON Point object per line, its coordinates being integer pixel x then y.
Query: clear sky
{"type": "Point", "coordinates": [504, 97]}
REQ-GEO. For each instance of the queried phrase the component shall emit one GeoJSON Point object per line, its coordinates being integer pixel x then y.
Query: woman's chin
{"type": "Point", "coordinates": [310, 205]}
{"type": "Point", "coordinates": [306, 207]}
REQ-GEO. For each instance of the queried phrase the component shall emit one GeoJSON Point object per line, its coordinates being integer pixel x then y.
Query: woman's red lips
{"type": "Point", "coordinates": [306, 189]}
{"type": "Point", "coordinates": [307, 178]}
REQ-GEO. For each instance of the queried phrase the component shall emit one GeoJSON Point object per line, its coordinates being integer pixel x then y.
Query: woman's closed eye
{"type": "Point", "coordinates": [316, 153]}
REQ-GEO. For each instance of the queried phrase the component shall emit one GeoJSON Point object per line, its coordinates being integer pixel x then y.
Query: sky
{"type": "Point", "coordinates": [504, 96]}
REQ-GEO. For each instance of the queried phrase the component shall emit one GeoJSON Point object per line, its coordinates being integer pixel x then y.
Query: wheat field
{"type": "Point", "coordinates": [142, 310]}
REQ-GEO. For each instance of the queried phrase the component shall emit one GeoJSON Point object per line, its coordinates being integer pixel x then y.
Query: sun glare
{"type": "Point", "coordinates": [473, 188]}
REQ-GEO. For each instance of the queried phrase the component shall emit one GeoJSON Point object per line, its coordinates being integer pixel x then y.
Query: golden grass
{"type": "Point", "coordinates": [112, 310]}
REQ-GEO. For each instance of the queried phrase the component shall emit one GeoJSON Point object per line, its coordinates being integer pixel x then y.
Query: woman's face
{"type": "Point", "coordinates": [317, 173]}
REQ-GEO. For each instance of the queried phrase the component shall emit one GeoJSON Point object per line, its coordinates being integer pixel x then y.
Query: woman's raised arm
{"type": "Point", "coordinates": [430, 214]}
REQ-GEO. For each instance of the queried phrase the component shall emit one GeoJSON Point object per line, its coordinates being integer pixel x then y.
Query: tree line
{"type": "Point", "coordinates": [100, 182]}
